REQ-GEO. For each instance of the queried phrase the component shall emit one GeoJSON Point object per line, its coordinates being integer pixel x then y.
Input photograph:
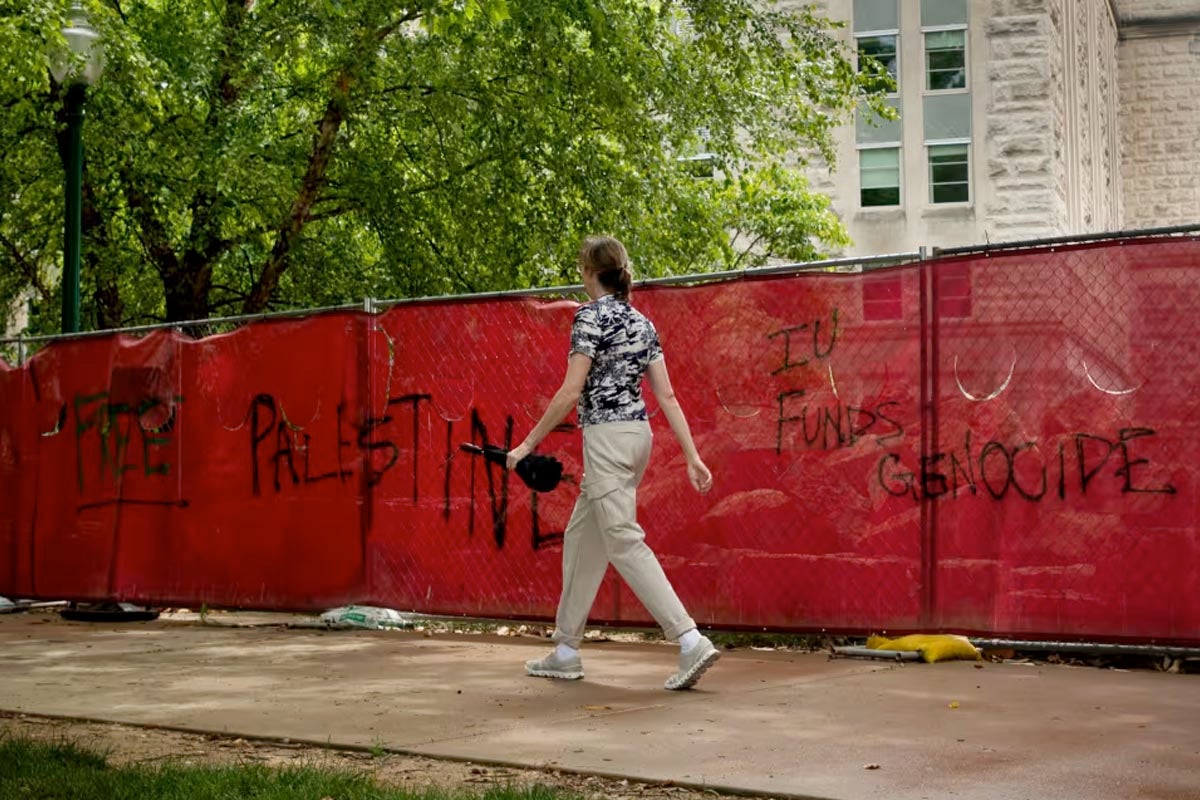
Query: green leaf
{"type": "Point", "coordinates": [300, 154]}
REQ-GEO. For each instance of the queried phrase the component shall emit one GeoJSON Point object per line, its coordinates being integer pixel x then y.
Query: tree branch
{"type": "Point", "coordinates": [187, 295]}
{"type": "Point", "coordinates": [737, 261]}
{"type": "Point", "coordinates": [324, 142]}
{"type": "Point", "coordinates": [310, 186]}
{"type": "Point", "coordinates": [233, 290]}
{"type": "Point", "coordinates": [152, 234]}
{"type": "Point", "coordinates": [332, 213]}
{"type": "Point", "coordinates": [116, 5]}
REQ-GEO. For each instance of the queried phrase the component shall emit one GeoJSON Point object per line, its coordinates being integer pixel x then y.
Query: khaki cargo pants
{"type": "Point", "coordinates": [604, 528]}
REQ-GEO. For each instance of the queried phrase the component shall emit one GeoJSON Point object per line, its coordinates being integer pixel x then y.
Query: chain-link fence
{"type": "Point", "coordinates": [992, 441]}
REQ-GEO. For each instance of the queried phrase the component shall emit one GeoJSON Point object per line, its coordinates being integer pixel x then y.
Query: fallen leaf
{"type": "Point", "coordinates": [596, 708]}
{"type": "Point", "coordinates": [870, 766]}
{"type": "Point", "coordinates": [953, 704]}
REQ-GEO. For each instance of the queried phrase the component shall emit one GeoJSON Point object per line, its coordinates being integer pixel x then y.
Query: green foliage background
{"type": "Point", "coordinates": [247, 155]}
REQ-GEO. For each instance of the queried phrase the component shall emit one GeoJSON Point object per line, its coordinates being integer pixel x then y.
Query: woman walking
{"type": "Point", "coordinates": [612, 347]}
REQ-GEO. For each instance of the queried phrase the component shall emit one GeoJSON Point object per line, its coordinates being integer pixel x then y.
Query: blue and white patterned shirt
{"type": "Point", "coordinates": [622, 343]}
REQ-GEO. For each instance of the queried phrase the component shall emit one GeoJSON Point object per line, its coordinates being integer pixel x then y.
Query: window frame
{"type": "Point", "coordinates": [899, 148]}
{"type": "Point", "coordinates": [895, 33]}
{"type": "Point", "coordinates": [701, 165]}
{"type": "Point", "coordinates": [966, 32]}
{"type": "Point", "coordinates": [960, 142]}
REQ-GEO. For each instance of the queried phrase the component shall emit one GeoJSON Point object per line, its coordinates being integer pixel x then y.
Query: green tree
{"type": "Point", "coordinates": [245, 155]}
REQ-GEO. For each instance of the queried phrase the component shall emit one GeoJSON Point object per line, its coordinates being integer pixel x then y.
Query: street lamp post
{"type": "Point", "coordinates": [76, 68]}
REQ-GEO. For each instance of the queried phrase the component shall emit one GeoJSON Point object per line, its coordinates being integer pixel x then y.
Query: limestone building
{"type": "Point", "coordinates": [1020, 119]}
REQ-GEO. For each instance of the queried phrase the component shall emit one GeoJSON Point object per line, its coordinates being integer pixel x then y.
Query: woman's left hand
{"type": "Point", "coordinates": [517, 453]}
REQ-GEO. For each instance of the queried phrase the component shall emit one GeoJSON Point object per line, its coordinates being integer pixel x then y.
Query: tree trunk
{"type": "Point", "coordinates": [187, 295]}
{"type": "Point", "coordinates": [310, 188]}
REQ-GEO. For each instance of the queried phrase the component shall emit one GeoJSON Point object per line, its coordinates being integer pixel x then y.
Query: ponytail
{"type": "Point", "coordinates": [606, 258]}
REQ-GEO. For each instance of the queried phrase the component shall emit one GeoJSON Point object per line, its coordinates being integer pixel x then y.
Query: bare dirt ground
{"type": "Point", "coordinates": [135, 745]}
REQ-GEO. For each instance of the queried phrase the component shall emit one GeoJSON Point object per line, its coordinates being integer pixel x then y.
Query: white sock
{"type": "Point", "coordinates": [565, 651]}
{"type": "Point", "coordinates": [689, 640]}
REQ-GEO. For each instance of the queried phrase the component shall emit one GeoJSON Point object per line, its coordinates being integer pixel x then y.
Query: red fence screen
{"type": "Point", "coordinates": [994, 444]}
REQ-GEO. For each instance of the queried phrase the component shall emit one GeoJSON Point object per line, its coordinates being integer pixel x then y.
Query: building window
{"type": "Point", "coordinates": [879, 176]}
{"type": "Point", "coordinates": [949, 173]}
{"type": "Point", "coordinates": [882, 48]}
{"type": "Point", "coordinates": [946, 60]}
{"type": "Point", "coordinates": [700, 163]}
{"type": "Point", "coordinates": [699, 166]}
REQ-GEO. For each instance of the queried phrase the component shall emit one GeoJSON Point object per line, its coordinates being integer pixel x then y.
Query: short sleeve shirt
{"type": "Point", "coordinates": [622, 343]}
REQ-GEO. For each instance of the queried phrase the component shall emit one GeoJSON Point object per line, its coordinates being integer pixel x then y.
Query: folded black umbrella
{"type": "Point", "coordinates": [540, 473]}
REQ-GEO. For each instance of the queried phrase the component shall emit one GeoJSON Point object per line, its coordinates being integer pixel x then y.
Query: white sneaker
{"type": "Point", "coordinates": [692, 664]}
{"type": "Point", "coordinates": [566, 669]}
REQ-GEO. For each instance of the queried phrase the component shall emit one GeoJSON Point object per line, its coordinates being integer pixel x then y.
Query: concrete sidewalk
{"type": "Point", "coordinates": [764, 722]}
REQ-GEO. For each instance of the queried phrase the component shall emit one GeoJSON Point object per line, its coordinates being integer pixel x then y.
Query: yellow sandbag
{"type": "Point", "coordinates": [932, 647]}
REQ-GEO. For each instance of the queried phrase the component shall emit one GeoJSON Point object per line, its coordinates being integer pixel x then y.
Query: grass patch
{"type": "Point", "coordinates": [31, 770]}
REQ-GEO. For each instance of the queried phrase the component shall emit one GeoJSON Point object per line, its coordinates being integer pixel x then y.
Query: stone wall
{"type": "Point", "coordinates": [1130, 10]}
{"type": "Point", "coordinates": [1052, 124]}
{"type": "Point", "coordinates": [1086, 125]}
{"type": "Point", "coordinates": [1023, 116]}
{"type": "Point", "coordinates": [1160, 131]}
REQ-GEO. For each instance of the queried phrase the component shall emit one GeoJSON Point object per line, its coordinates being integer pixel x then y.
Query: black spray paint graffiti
{"type": "Point", "coordinates": [286, 444]}
{"type": "Point", "coordinates": [993, 470]}
{"type": "Point", "coordinates": [839, 426]}
{"type": "Point", "coordinates": [499, 509]}
{"type": "Point", "coordinates": [495, 476]}
{"type": "Point", "coordinates": [817, 352]}
{"type": "Point", "coordinates": [124, 437]}
{"type": "Point", "coordinates": [372, 446]}
{"type": "Point", "coordinates": [1075, 462]}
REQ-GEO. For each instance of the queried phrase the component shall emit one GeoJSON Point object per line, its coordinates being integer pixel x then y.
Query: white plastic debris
{"type": "Point", "coordinates": [369, 617]}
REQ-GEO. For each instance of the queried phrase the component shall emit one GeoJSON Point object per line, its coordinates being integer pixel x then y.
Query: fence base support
{"type": "Point", "coordinates": [886, 655]}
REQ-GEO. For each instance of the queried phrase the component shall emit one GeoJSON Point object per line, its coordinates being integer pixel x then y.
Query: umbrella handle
{"type": "Point", "coordinates": [491, 453]}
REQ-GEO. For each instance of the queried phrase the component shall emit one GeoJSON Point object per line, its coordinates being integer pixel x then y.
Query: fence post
{"type": "Point", "coordinates": [369, 305]}
{"type": "Point", "coordinates": [928, 399]}
{"type": "Point", "coordinates": [20, 349]}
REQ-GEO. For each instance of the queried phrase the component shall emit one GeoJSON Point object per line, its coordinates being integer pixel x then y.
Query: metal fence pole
{"type": "Point", "coordinates": [926, 399]}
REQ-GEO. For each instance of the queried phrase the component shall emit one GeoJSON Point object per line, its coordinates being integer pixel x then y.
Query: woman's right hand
{"type": "Point", "coordinates": [516, 454]}
{"type": "Point", "coordinates": [700, 476]}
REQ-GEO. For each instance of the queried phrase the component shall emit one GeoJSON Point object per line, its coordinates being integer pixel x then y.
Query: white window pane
{"type": "Point", "coordinates": [884, 157]}
{"type": "Point", "coordinates": [952, 152]}
{"type": "Point", "coordinates": [880, 179]}
{"type": "Point", "coordinates": [945, 40]}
